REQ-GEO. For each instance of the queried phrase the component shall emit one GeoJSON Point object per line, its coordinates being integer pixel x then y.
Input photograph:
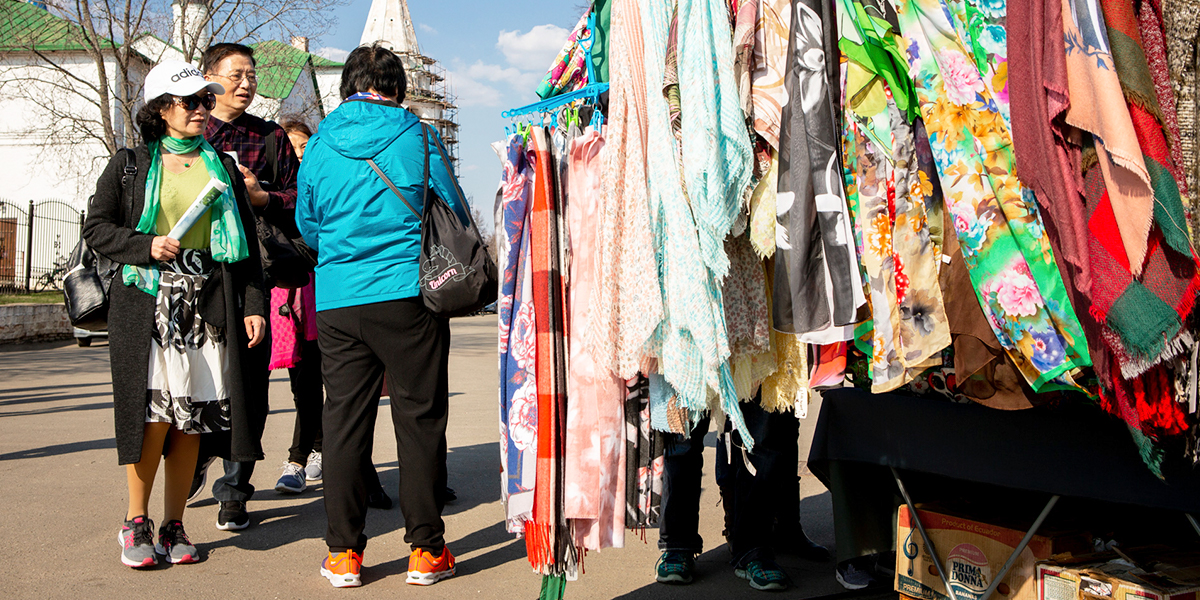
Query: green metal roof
{"type": "Point", "coordinates": [322, 62]}
{"type": "Point", "coordinates": [25, 27]}
{"type": "Point", "coordinates": [280, 65]}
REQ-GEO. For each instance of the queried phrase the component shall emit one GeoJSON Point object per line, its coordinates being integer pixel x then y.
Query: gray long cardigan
{"type": "Point", "coordinates": [110, 232]}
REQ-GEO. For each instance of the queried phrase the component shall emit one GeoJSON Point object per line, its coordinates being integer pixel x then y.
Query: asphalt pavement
{"type": "Point", "coordinates": [63, 498]}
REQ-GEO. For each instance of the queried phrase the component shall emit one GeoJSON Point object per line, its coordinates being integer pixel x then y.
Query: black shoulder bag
{"type": "Point", "coordinates": [457, 275]}
{"type": "Point", "coordinates": [286, 259]}
{"type": "Point", "coordinates": [90, 275]}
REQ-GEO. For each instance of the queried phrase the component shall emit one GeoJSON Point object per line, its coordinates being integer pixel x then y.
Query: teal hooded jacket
{"type": "Point", "coordinates": [368, 242]}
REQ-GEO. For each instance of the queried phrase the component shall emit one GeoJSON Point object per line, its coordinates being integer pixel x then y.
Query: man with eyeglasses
{"type": "Point", "coordinates": [271, 185]}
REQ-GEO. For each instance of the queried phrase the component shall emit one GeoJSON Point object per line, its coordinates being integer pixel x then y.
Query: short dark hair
{"type": "Point", "coordinates": [149, 118]}
{"type": "Point", "coordinates": [295, 124]}
{"type": "Point", "coordinates": [219, 52]}
{"type": "Point", "coordinates": [374, 67]}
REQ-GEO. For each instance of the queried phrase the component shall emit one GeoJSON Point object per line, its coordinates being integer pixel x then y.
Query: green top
{"type": "Point", "coordinates": [179, 190]}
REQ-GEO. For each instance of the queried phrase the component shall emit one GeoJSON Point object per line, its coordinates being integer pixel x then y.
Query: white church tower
{"type": "Point", "coordinates": [189, 26]}
{"type": "Point", "coordinates": [388, 22]}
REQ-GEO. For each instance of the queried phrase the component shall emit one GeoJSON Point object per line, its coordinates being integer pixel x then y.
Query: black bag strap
{"type": "Point", "coordinates": [396, 190]}
{"type": "Point", "coordinates": [272, 155]}
{"type": "Point", "coordinates": [128, 177]}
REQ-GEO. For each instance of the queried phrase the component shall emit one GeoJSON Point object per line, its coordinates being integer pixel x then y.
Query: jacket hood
{"type": "Point", "coordinates": [361, 130]}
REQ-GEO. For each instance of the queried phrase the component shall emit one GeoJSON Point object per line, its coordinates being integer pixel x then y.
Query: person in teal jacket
{"type": "Point", "coordinates": [370, 317]}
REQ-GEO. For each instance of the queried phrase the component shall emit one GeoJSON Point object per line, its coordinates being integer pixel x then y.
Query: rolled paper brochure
{"type": "Point", "coordinates": [210, 195]}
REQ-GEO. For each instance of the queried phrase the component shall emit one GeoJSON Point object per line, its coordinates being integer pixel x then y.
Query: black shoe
{"type": "Point", "coordinates": [233, 516]}
{"type": "Point", "coordinates": [448, 495]}
{"type": "Point", "coordinates": [793, 540]}
{"type": "Point", "coordinates": [379, 500]}
{"type": "Point", "coordinates": [857, 573]}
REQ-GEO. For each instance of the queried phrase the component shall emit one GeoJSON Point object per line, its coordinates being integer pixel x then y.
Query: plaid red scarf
{"type": "Point", "coordinates": [1143, 316]}
{"type": "Point", "coordinates": [547, 541]}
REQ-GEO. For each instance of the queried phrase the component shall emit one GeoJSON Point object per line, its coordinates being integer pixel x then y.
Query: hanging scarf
{"type": "Point", "coordinates": [691, 341]}
{"type": "Point", "coordinates": [547, 540]}
{"type": "Point", "coordinates": [228, 240]}
{"type": "Point", "coordinates": [1150, 25]}
{"type": "Point", "coordinates": [517, 341]}
{"type": "Point", "coordinates": [816, 293]}
{"type": "Point", "coordinates": [1011, 263]}
{"type": "Point", "coordinates": [1144, 304]}
{"type": "Point", "coordinates": [768, 94]}
{"type": "Point", "coordinates": [568, 72]}
{"type": "Point", "coordinates": [1046, 160]}
{"type": "Point", "coordinates": [643, 459]}
{"type": "Point", "coordinates": [745, 15]}
{"type": "Point", "coordinates": [627, 304]}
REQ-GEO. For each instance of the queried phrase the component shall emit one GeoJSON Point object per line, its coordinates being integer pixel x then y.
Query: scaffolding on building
{"type": "Point", "coordinates": [430, 98]}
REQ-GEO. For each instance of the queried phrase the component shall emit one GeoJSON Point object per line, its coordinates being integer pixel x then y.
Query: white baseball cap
{"type": "Point", "coordinates": [178, 79]}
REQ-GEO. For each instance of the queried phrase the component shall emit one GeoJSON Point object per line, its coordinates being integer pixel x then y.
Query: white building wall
{"type": "Point", "coordinates": [304, 100]}
{"type": "Point", "coordinates": [44, 154]}
{"type": "Point", "coordinates": [329, 79]}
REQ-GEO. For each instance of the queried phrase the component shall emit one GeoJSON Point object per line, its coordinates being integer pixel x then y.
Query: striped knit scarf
{"type": "Point", "coordinates": [547, 541]}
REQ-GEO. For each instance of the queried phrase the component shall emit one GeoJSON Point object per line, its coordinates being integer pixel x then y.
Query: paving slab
{"type": "Point", "coordinates": [63, 497]}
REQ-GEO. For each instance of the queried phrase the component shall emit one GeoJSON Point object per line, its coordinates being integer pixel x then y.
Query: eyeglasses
{"type": "Point", "coordinates": [193, 102]}
{"type": "Point", "coordinates": [237, 78]}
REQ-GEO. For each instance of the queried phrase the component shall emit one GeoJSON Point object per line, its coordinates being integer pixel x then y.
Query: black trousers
{"type": "Point", "coordinates": [309, 396]}
{"type": "Point", "coordinates": [754, 502]}
{"type": "Point", "coordinates": [752, 495]}
{"type": "Point", "coordinates": [358, 345]}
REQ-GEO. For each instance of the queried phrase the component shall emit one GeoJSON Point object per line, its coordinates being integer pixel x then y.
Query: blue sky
{"type": "Point", "coordinates": [495, 53]}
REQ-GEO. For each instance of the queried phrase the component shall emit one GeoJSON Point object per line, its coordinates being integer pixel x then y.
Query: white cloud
{"type": "Point", "coordinates": [427, 29]}
{"type": "Point", "coordinates": [334, 54]}
{"type": "Point", "coordinates": [478, 84]}
{"type": "Point", "coordinates": [533, 50]}
{"type": "Point", "coordinates": [471, 89]}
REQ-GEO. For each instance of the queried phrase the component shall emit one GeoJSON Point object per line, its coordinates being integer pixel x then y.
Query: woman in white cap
{"type": "Point", "coordinates": [188, 297]}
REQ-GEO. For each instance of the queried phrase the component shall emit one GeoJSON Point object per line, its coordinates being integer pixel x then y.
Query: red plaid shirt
{"type": "Point", "coordinates": [247, 137]}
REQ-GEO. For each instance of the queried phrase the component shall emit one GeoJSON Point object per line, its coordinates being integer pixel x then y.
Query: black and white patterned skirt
{"type": "Point", "coordinates": [189, 369]}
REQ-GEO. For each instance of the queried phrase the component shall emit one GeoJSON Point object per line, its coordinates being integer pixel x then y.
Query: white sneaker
{"type": "Point", "coordinates": [312, 471]}
{"type": "Point", "coordinates": [292, 480]}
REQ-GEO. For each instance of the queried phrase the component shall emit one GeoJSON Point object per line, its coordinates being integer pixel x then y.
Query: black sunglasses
{"type": "Point", "coordinates": [208, 101]}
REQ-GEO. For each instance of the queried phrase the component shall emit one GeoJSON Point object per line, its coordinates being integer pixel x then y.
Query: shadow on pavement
{"type": "Point", "coordinates": [61, 449]}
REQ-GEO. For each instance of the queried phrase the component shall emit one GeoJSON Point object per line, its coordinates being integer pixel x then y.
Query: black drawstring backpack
{"type": "Point", "coordinates": [457, 275]}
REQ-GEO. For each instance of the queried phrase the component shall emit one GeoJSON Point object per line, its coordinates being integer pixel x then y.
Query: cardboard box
{"type": "Point", "coordinates": [972, 551]}
{"type": "Point", "coordinates": [1164, 575]}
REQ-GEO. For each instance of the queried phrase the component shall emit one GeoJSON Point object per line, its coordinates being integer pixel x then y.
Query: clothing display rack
{"type": "Point", "coordinates": [1050, 457]}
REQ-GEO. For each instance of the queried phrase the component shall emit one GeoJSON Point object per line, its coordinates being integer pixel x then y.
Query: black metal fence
{"type": "Point", "coordinates": [35, 241]}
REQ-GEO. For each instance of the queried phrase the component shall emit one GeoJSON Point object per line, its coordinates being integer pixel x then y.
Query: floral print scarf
{"type": "Point", "coordinates": [961, 87]}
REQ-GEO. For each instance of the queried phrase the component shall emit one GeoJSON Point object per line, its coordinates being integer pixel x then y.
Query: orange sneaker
{"type": "Point", "coordinates": [426, 569]}
{"type": "Point", "coordinates": [343, 569]}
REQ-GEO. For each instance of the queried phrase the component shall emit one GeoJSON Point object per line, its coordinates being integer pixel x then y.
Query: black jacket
{"type": "Point", "coordinates": [110, 232]}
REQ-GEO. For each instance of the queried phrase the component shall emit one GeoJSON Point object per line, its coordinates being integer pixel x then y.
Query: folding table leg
{"type": "Point", "coordinates": [912, 511]}
{"type": "Point", "coordinates": [1037, 524]}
